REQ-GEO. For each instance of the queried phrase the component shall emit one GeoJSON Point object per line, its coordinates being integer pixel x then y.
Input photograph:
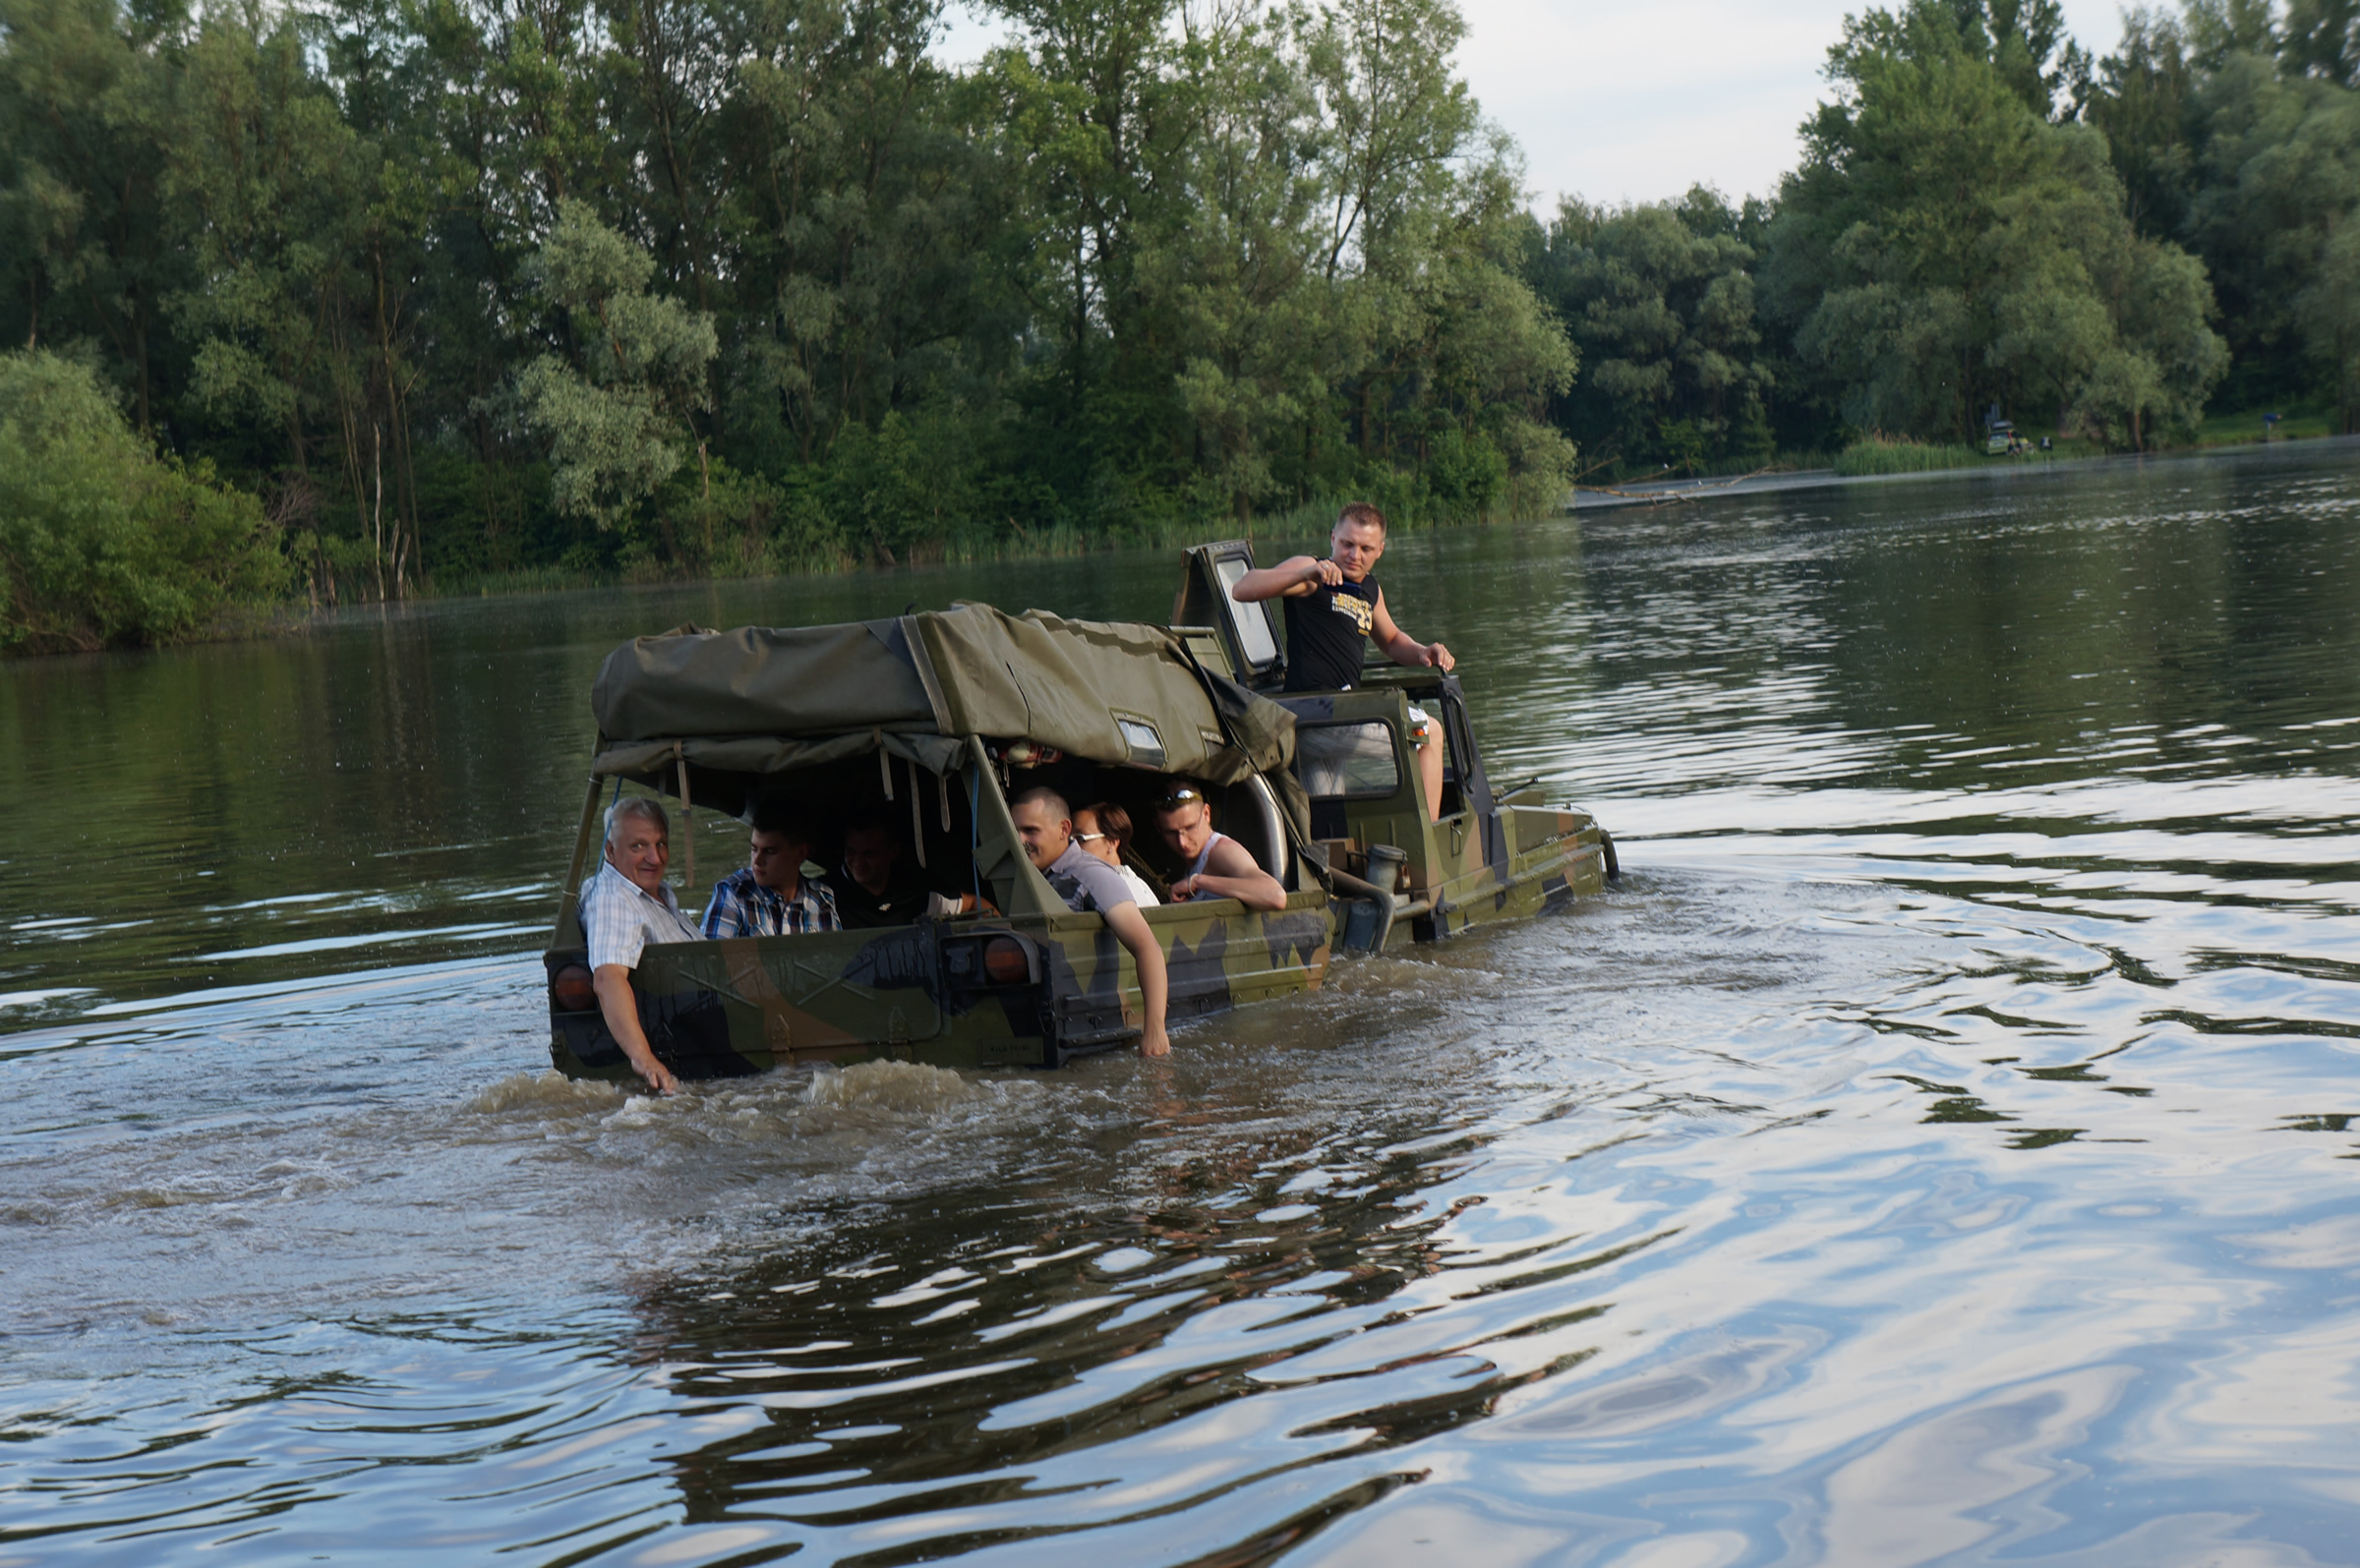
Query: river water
{"type": "Point", "coordinates": [1941, 1148]}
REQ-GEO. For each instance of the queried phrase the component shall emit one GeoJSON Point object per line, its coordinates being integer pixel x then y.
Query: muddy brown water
{"type": "Point", "coordinates": [1941, 1149]}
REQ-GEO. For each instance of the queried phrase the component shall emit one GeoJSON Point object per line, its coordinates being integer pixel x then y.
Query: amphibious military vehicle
{"type": "Point", "coordinates": [938, 718]}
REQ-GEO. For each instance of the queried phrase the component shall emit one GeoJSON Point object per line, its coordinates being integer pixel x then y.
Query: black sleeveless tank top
{"type": "Point", "coordinates": [1326, 631]}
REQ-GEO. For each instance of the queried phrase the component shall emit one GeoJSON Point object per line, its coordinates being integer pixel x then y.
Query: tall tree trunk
{"type": "Point", "coordinates": [395, 397]}
{"type": "Point", "coordinates": [377, 465]}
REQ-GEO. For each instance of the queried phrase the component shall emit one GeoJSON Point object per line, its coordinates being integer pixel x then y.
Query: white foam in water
{"type": "Point", "coordinates": [546, 1090]}
{"type": "Point", "coordinates": [887, 1086]}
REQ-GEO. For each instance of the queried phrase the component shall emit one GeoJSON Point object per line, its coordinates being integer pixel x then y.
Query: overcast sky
{"type": "Point", "coordinates": [1637, 100]}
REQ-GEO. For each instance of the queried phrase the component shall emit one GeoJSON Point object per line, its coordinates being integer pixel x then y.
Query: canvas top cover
{"type": "Point", "coordinates": [762, 700]}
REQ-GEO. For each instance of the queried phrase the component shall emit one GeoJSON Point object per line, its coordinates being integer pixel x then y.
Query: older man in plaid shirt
{"type": "Point", "coordinates": [770, 897]}
{"type": "Point", "coordinates": [623, 908]}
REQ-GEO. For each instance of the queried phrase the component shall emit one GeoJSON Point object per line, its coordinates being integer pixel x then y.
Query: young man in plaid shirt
{"type": "Point", "coordinates": [770, 897]}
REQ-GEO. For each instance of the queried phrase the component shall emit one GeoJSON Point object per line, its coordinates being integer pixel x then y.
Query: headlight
{"type": "Point", "coordinates": [1005, 961]}
{"type": "Point", "coordinates": [570, 989]}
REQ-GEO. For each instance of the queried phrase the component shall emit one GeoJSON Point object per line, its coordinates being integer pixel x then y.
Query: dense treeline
{"type": "Point", "coordinates": [1987, 215]}
{"type": "Point", "coordinates": [361, 295]}
{"type": "Point", "coordinates": [657, 285]}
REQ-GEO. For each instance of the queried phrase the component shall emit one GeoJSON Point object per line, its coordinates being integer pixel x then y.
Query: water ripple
{"type": "Point", "coordinates": [1939, 1149]}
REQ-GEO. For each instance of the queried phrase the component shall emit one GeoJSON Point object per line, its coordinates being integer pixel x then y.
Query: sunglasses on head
{"type": "Point", "coordinates": [1178, 797]}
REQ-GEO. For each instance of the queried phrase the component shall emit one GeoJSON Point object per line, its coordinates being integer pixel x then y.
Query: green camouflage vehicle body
{"type": "Point", "coordinates": [918, 993]}
{"type": "Point", "coordinates": [1474, 862]}
{"type": "Point", "coordinates": [1035, 984]}
{"type": "Point", "coordinates": [925, 992]}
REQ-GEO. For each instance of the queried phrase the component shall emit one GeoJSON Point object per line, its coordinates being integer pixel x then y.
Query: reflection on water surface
{"type": "Point", "coordinates": [1941, 1148]}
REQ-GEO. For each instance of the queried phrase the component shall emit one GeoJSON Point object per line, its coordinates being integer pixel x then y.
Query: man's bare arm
{"type": "Point", "coordinates": [1400, 646]}
{"type": "Point", "coordinates": [615, 1004]}
{"type": "Point", "coordinates": [1130, 928]}
{"type": "Point", "coordinates": [1290, 579]}
{"type": "Point", "coordinates": [1231, 873]}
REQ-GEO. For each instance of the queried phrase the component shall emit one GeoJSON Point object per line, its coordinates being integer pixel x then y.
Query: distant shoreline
{"type": "Point", "coordinates": [282, 620]}
{"type": "Point", "coordinates": [1673, 491]}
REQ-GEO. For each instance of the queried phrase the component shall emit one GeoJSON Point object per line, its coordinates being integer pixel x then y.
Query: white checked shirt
{"type": "Point", "coordinates": [620, 918]}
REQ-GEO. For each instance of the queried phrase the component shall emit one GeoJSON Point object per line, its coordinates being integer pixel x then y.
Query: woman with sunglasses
{"type": "Point", "coordinates": [1103, 829]}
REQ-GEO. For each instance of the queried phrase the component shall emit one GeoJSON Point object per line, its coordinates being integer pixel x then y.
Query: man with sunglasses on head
{"type": "Point", "coordinates": [1333, 609]}
{"type": "Point", "coordinates": [1219, 866]}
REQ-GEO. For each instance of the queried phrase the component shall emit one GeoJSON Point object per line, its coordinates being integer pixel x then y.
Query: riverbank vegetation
{"type": "Point", "coordinates": [1878, 454]}
{"type": "Point", "coordinates": [2303, 419]}
{"type": "Point", "coordinates": [1894, 454]}
{"type": "Point", "coordinates": [641, 290]}
{"type": "Point", "coordinates": [391, 298]}
{"type": "Point", "coordinates": [102, 539]}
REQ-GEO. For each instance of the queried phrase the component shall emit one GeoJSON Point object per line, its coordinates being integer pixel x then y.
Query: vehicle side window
{"type": "Point", "coordinates": [1146, 746]}
{"type": "Point", "coordinates": [1347, 761]}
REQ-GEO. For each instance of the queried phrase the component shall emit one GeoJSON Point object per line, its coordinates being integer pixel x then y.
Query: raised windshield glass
{"type": "Point", "coordinates": [1252, 623]}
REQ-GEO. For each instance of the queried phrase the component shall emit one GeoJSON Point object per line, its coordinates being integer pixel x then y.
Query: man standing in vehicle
{"type": "Point", "coordinates": [1333, 606]}
{"type": "Point", "coordinates": [1044, 826]}
{"type": "Point", "coordinates": [627, 906]}
{"type": "Point", "coordinates": [769, 895]}
{"type": "Point", "coordinates": [1219, 866]}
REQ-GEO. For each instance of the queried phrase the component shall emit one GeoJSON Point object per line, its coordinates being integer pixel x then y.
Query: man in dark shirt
{"type": "Point", "coordinates": [1333, 606]}
{"type": "Point", "coordinates": [872, 887]}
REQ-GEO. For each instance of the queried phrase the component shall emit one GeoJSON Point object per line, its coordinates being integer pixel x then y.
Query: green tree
{"type": "Point", "coordinates": [2218, 29]}
{"type": "Point", "coordinates": [864, 229]}
{"type": "Point", "coordinates": [1497, 358]}
{"type": "Point", "coordinates": [1659, 300]}
{"type": "Point", "coordinates": [460, 285]}
{"type": "Point", "coordinates": [1425, 220]}
{"type": "Point", "coordinates": [2329, 314]}
{"type": "Point", "coordinates": [1945, 247]}
{"type": "Point", "coordinates": [86, 89]}
{"type": "Point", "coordinates": [2322, 39]}
{"type": "Point", "coordinates": [1104, 103]}
{"type": "Point", "coordinates": [1262, 322]}
{"type": "Point", "coordinates": [2278, 161]}
{"type": "Point", "coordinates": [614, 408]}
{"type": "Point", "coordinates": [2138, 100]}
{"type": "Point", "coordinates": [290, 368]}
{"type": "Point", "coordinates": [101, 542]}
